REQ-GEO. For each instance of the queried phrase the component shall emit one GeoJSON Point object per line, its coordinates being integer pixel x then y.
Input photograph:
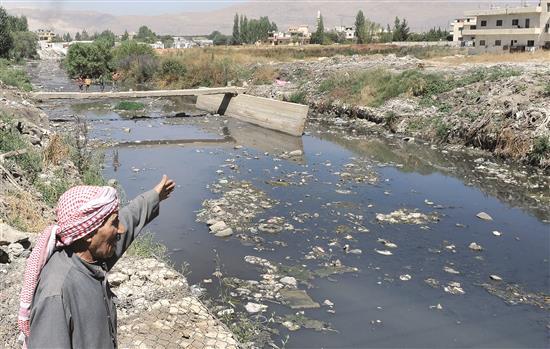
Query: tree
{"type": "Point", "coordinates": [319, 36]}
{"type": "Point", "coordinates": [85, 35]}
{"type": "Point", "coordinates": [25, 45]}
{"type": "Point", "coordinates": [77, 36]}
{"type": "Point", "coordinates": [57, 38]}
{"type": "Point", "coordinates": [146, 35]}
{"type": "Point", "coordinates": [106, 37]}
{"type": "Point", "coordinates": [67, 37]}
{"type": "Point", "coordinates": [236, 39]}
{"type": "Point", "coordinates": [6, 40]}
{"type": "Point", "coordinates": [90, 60]}
{"type": "Point", "coordinates": [220, 39]}
{"type": "Point", "coordinates": [245, 34]}
{"type": "Point", "coordinates": [401, 30]}
{"type": "Point", "coordinates": [360, 27]}
{"type": "Point", "coordinates": [125, 36]}
{"type": "Point", "coordinates": [18, 24]}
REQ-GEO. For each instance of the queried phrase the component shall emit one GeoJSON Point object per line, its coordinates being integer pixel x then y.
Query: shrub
{"type": "Point", "coordinates": [25, 45]}
{"type": "Point", "coordinates": [13, 76]}
{"type": "Point", "coordinates": [171, 70]}
{"type": "Point", "coordinates": [145, 246]}
{"type": "Point", "coordinates": [540, 151]}
{"type": "Point", "coordinates": [298, 97]}
{"type": "Point", "coordinates": [130, 106]}
{"type": "Point", "coordinates": [91, 60]}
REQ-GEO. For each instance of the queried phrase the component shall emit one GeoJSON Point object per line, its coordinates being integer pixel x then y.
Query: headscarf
{"type": "Point", "coordinates": [80, 211]}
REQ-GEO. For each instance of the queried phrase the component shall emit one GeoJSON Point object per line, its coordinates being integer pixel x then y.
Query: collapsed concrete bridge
{"type": "Point", "coordinates": [276, 115]}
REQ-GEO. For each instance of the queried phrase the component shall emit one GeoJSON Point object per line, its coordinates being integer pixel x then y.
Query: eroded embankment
{"type": "Point", "coordinates": [156, 307]}
{"type": "Point", "coordinates": [500, 108]}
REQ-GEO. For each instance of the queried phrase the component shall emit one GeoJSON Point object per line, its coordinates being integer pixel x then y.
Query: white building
{"type": "Point", "coordinates": [181, 42]}
{"type": "Point", "coordinates": [349, 31]}
{"type": "Point", "coordinates": [457, 30]}
{"type": "Point", "coordinates": [302, 30]}
{"type": "Point", "coordinates": [157, 45]}
{"type": "Point", "coordinates": [509, 29]}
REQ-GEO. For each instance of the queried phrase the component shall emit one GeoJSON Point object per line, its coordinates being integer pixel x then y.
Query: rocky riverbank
{"type": "Point", "coordinates": [501, 108]}
{"type": "Point", "coordinates": [156, 306]}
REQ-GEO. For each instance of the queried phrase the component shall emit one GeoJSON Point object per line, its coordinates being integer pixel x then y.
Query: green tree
{"type": "Point", "coordinates": [85, 59]}
{"type": "Point", "coordinates": [319, 36]}
{"type": "Point", "coordinates": [125, 36]}
{"type": "Point", "coordinates": [6, 40]}
{"type": "Point", "coordinates": [67, 37]}
{"type": "Point", "coordinates": [401, 30]}
{"type": "Point", "coordinates": [107, 38]}
{"type": "Point", "coordinates": [360, 27]}
{"type": "Point", "coordinates": [245, 32]}
{"type": "Point", "coordinates": [57, 38]}
{"type": "Point", "coordinates": [236, 38]}
{"type": "Point", "coordinates": [146, 35]}
{"type": "Point", "coordinates": [18, 24]}
{"type": "Point", "coordinates": [25, 45]}
{"type": "Point", "coordinates": [77, 36]}
{"type": "Point", "coordinates": [85, 35]}
{"type": "Point", "coordinates": [136, 60]}
{"type": "Point", "coordinates": [220, 39]}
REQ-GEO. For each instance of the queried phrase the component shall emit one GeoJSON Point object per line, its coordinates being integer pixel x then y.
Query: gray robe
{"type": "Point", "coordinates": [73, 304]}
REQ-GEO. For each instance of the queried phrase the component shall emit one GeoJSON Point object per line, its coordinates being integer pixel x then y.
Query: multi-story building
{"type": "Point", "coordinates": [302, 30]}
{"type": "Point", "coordinates": [349, 31]}
{"type": "Point", "coordinates": [510, 29]}
{"type": "Point", "coordinates": [45, 35]}
{"type": "Point", "coordinates": [457, 28]}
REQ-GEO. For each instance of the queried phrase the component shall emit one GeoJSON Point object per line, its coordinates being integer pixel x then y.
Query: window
{"type": "Point", "coordinates": [498, 42]}
{"type": "Point", "coordinates": [473, 27]}
{"type": "Point", "coordinates": [483, 23]}
{"type": "Point", "coordinates": [547, 28]}
{"type": "Point", "coordinates": [527, 22]}
{"type": "Point", "coordinates": [530, 43]}
{"type": "Point", "coordinates": [499, 22]}
{"type": "Point", "coordinates": [515, 21]}
{"type": "Point", "coordinates": [481, 42]}
{"type": "Point", "coordinates": [548, 7]}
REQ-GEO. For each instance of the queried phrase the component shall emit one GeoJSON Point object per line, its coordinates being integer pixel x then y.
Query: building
{"type": "Point", "coordinates": [280, 38]}
{"type": "Point", "coordinates": [302, 30]}
{"type": "Point", "coordinates": [182, 42]}
{"type": "Point", "coordinates": [509, 29]}
{"type": "Point", "coordinates": [457, 30]}
{"type": "Point", "coordinates": [349, 31]}
{"type": "Point", "coordinates": [45, 35]}
{"type": "Point", "coordinates": [157, 45]}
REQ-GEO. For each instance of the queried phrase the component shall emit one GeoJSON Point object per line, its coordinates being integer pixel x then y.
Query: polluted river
{"type": "Point", "coordinates": [334, 239]}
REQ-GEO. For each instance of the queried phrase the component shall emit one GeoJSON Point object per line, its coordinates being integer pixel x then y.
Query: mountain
{"type": "Point", "coordinates": [421, 15]}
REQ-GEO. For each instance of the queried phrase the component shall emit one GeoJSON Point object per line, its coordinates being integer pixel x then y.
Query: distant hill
{"type": "Point", "coordinates": [420, 15]}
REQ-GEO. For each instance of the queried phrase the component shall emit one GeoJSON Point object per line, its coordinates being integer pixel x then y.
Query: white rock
{"type": "Point", "coordinates": [328, 303]}
{"type": "Point", "coordinates": [384, 252]}
{"type": "Point", "coordinates": [495, 277]}
{"type": "Point", "coordinates": [289, 280]}
{"type": "Point", "coordinates": [255, 307]}
{"type": "Point", "coordinates": [497, 233]}
{"type": "Point", "coordinates": [296, 153]}
{"type": "Point", "coordinates": [475, 247]}
{"type": "Point", "coordinates": [405, 277]}
{"type": "Point", "coordinates": [9, 235]}
{"type": "Point", "coordinates": [224, 233]}
{"type": "Point", "coordinates": [218, 226]}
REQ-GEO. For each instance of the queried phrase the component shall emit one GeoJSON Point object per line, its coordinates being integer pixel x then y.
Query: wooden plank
{"type": "Point", "coordinates": [136, 94]}
{"type": "Point", "coordinates": [276, 115]}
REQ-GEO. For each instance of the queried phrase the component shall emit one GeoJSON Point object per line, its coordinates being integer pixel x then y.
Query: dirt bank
{"type": "Point", "coordinates": [502, 108]}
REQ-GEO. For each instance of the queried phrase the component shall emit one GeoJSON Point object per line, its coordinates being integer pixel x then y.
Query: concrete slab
{"type": "Point", "coordinates": [286, 117]}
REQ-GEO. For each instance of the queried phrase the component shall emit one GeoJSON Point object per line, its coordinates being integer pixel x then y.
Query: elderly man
{"type": "Point", "coordinates": [66, 301]}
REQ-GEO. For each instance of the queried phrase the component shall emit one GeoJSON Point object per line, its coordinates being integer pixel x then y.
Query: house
{"type": "Point", "coordinates": [203, 42]}
{"type": "Point", "coordinates": [349, 31]}
{"type": "Point", "coordinates": [182, 42]}
{"type": "Point", "coordinates": [157, 45]}
{"type": "Point", "coordinates": [457, 30]}
{"type": "Point", "coordinates": [45, 35]}
{"type": "Point", "coordinates": [280, 38]}
{"type": "Point", "coordinates": [509, 29]}
{"type": "Point", "coordinates": [300, 30]}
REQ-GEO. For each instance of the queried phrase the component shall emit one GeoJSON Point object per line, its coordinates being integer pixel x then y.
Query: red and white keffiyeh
{"type": "Point", "coordinates": [80, 211]}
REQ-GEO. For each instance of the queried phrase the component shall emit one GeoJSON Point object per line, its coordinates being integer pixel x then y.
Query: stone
{"type": "Point", "coordinates": [296, 153]}
{"type": "Point", "coordinates": [15, 249]}
{"type": "Point", "coordinates": [484, 216]}
{"type": "Point", "coordinates": [291, 326]}
{"type": "Point", "coordinates": [384, 252]}
{"type": "Point", "coordinates": [497, 233]}
{"type": "Point", "coordinates": [9, 235]}
{"type": "Point", "coordinates": [224, 233]}
{"type": "Point", "coordinates": [116, 278]}
{"type": "Point", "coordinates": [495, 277]}
{"type": "Point", "coordinates": [218, 226]}
{"type": "Point", "coordinates": [289, 281]}
{"type": "Point", "coordinates": [255, 307]}
{"type": "Point", "coordinates": [405, 277]}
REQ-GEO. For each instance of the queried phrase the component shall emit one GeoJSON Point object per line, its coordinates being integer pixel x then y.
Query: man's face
{"type": "Point", "coordinates": [103, 242]}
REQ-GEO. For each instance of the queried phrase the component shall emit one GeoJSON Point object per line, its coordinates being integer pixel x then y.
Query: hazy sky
{"type": "Point", "coordinates": [134, 7]}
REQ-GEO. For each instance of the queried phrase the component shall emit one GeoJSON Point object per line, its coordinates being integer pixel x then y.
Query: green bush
{"type": "Point", "coordinates": [171, 70]}
{"type": "Point", "coordinates": [540, 151]}
{"type": "Point", "coordinates": [145, 246]}
{"type": "Point", "coordinates": [13, 76]}
{"type": "Point", "coordinates": [130, 106]}
{"type": "Point", "coordinates": [91, 60]}
{"type": "Point", "coordinates": [25, 44]}
{"type": "Point", "coordinates": [52, 190]}
{"type": "Point", "coordinates": [298, 97]}
{"type": "Point", "coordinates": [11, 139]}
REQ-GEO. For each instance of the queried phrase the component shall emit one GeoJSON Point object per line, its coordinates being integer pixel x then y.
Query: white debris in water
{"type": "Point", "coordinates": [454, 287]}
{"type": "Point", "coordinates": [497, 233]}
{"type": "Point", "coordinates": [387, 243]}
{"type": "Point", "coordinates": [475, 247]}
{"type": "Point", "coordinates": [405, 277]}
{"type": "Point", "coordinates": [255, 307]}
{"type": "Point", "coordinates": [495, 277]}
{"type": "Point", "coordinates": [438, 306]}
{"type": "Point", "coordinates": [450, 270]}
{"type": "Point", "coordinates": [484, 216]}
{"type": "Point", "coordinates": [406, 216]}
{"type": "Point", "coordinates": [384, 252]}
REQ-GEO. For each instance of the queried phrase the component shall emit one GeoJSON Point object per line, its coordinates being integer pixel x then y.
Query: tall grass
{"type": "Point", "coordinates": [376, 86]}
{"type": "Point", "coordinates": [14, 76]}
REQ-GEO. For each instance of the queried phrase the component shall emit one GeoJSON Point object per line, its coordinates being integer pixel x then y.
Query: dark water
{"type": "Point", "coordinates": [409, 174]}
